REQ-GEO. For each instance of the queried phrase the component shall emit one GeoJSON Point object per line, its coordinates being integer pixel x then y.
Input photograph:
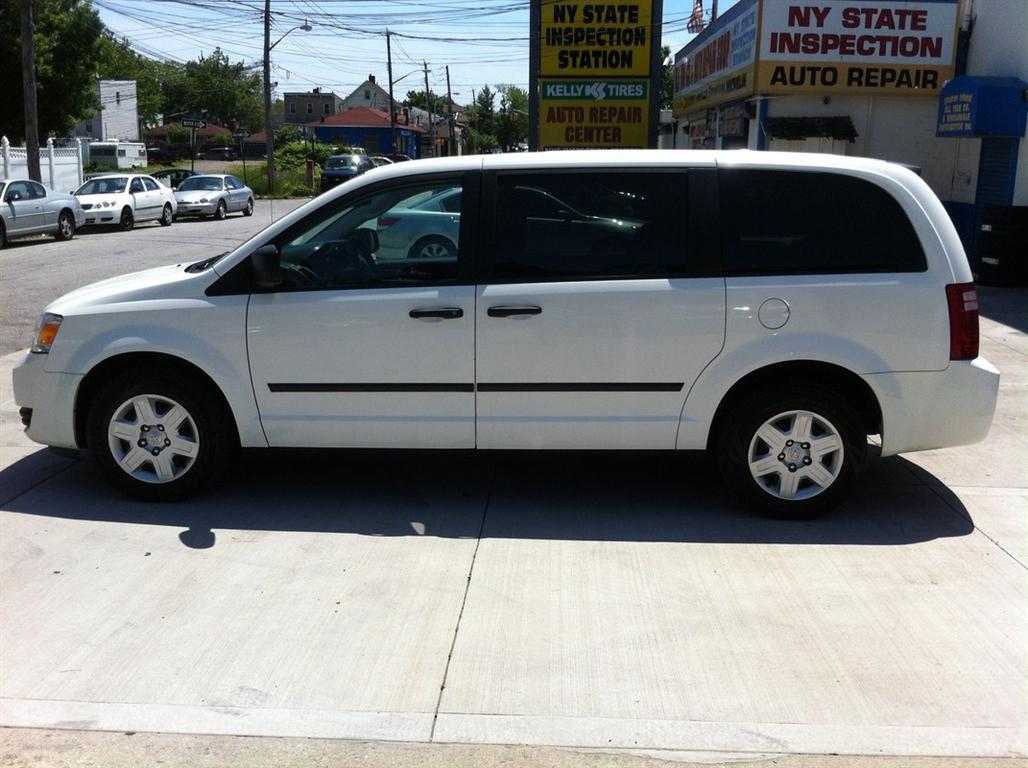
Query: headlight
{"type": "Point", "coordinates": [46, 331]}
{"type": "Point", "coordinates": [203, 199]}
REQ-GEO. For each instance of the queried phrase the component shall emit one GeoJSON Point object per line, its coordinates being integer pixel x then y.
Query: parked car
{"type": "Point", "coordinates": [124, 199]}
{"type": "Point", "coordinates": [380, 160]}
{"type": "Point", "coordinates": [218, 153]}
{"type": "Point", "coordinates": [213, 195]}
{"type": "Point", "coordinates": [426, 228]}
{"type": "Point", "coordinates": [172, 177]}
{"type": "Point", "coordinates": [29, 208]}
{"type": "Point", "coordinates": [745, 307]}
{"type": "Point", "coordinates": [340, 168]}
{"type": "Point", "coordinates": [397, 157]}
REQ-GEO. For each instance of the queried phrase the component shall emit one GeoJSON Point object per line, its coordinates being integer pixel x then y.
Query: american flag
{"type": "Point", "coordinates": [695, 23]}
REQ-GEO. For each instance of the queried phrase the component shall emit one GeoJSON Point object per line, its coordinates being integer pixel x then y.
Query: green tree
{"type": "Point", "coordinates": [228, 94]}
{"type": "Point", "coordinates": [512, 120]}
{"type": "Point", "coordinates": [421, 100]}
{"type": "Point", "coordinates": [67, 35]}
{"type": "Point", "coordinates": [667, 77]}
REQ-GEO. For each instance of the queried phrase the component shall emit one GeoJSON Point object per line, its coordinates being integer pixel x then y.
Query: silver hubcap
{"type": "Point", "coordinates": [434, 251]}
{"type": "Point", "coordinates": [153, 439]}
{"type": "Point", "coordinates": [65, 226]}
{"type": "Point", "coordinates": [795, 455]}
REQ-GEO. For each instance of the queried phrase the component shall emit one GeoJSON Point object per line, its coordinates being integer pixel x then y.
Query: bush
{"type": "Point", "coordinates": [289, 182]}
{"type": "Point", "coordinates": [221, 139]}
{"type": "Point", "coordinates": [295, 154]}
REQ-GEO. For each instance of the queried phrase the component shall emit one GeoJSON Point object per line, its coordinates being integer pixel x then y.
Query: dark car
{"type": "Point", "coordinates": [398, 157]}
{"type": "Point", "coordinates": [218, 153]}
{"type": "Point", "coordinates": [340, 168]}
{"type": "Point", "coordinates": [173, 176]}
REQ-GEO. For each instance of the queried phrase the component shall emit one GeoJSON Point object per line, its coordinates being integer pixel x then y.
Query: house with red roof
{"type": "Point", "coordinates": [369, 128]}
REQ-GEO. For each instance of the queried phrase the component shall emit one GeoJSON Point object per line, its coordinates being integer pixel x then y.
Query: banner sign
{"type": "Point", "coordinates": [718, 65]}
{"type": "Point", "coordinates": [903, 47]}
{"type": "Point", "coordinates": [982, 106]}
{"type": "Point", "coordinates": [594, 114]}
{"type": "Point", "coordinates": [594, 74]}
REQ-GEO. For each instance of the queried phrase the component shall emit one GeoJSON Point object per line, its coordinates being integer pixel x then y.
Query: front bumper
{"type": "Point", "coordinates": [936, 409]}
{"type": "Point", "coordinates": [196, 209]}
{"type": "Point", "coordinates": [51, 398]}
{"type": "Point", "coordinates": [100, 216]}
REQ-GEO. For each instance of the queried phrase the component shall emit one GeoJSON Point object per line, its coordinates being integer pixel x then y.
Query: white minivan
{"type": "Point", "coordinates": [775, 309]}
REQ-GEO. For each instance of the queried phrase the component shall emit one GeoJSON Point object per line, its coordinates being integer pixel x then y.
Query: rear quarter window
{"type": "Point", "coordinates": [793, 222]}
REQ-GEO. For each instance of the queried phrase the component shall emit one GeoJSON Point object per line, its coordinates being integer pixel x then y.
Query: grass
{"type": "Point", "coordinates": [289, 182]}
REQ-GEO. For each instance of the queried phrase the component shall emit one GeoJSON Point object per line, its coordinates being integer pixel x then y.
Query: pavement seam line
{"type": "Point", "coordinates": [999, 546]}
{"type": "Point", "coordinates": [5, 502]}
{"type": "Point", "coordinates": [463, 602]}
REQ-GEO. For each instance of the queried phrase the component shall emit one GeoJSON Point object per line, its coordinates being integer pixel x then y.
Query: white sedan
{"type": "Point", "coordinates": [124, 199]}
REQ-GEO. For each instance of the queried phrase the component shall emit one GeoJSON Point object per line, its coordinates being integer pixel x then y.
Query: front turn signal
{"type": "Point", "coordinates": [46, 331]}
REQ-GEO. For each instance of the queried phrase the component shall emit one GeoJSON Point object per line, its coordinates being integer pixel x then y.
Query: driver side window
{"type": "Point", "coordinates": [391, 238]}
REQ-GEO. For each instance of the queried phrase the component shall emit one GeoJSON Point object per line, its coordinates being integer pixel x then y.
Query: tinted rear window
{"type": "Point", "coordinates": [789, 222]}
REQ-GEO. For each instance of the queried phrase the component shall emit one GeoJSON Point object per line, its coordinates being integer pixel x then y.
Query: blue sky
{"type": "Point", "coordinates": [482, 41]}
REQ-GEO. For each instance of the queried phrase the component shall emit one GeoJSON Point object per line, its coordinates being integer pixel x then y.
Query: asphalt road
{"type": "Point", "coordinates": [620, 602]}
{"type": "Point", "coordinates": [35, 271]}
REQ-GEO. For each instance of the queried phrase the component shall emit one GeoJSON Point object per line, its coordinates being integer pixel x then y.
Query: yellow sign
{"type": "Point", "coordinates": [587, 39]}
{"type": "Point", "coordinates": [588, 123]}
{"type": "Point", "coordinates": [794, 77]}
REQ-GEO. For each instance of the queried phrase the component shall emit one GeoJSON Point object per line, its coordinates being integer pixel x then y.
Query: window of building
{"type": "Point", "coordinates": [292, 107]}
{"type": "Point", "coordinates": [310, 108]}
{"type": "Point", "coordinates": [791, 222]}
{"type": "Point", "coordinates": [566, 226]}
{"type": "Point", "coordinates": [367, 94]}
{"type": "Point", "coordinates": [327, 107]}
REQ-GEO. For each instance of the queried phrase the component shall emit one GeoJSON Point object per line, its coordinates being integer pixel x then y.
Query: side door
{"type": "Point", "coordinates": [24, 209]}
{"type": "Point", "coordinates": [601, 302]}
{"type": "Point", "coordinates": [355, 349]}
{"type": "Point", "coordinates": [237, 193]}
{"type": "Point", "coordinates": [141, 203]}
{"type": "Point", "coordinates": [154, 195]}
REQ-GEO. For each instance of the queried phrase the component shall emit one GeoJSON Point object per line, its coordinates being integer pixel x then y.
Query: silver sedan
{"type": "Point", "coordinates": [213, 195]}
{"type": "Point", "coordinates": [29, 208]}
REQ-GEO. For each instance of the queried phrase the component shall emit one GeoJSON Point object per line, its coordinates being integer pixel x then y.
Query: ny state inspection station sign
{"type": "Point", "coordinates": [594, 74]}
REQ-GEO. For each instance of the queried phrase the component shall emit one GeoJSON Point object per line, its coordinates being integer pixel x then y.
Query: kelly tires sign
{"type": "Point", "coordinates": [594, 74]}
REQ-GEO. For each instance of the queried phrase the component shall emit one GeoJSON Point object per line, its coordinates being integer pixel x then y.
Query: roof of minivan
{"type": "Point", "coordinates": [638, 158]}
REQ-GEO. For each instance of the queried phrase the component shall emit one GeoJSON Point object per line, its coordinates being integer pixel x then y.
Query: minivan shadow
{"type": "Point", "coordinates": [644, 497]}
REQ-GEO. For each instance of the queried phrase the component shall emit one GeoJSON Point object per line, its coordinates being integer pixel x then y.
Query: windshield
{"type": "Point", "coordinates": [109, 186]}
{"type": "Point", "coordinates": [201, 182]}
{"type": "Point", "coordinates": [344, 161]}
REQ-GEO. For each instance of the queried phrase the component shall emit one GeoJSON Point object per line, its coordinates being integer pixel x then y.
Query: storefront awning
{"type": "Point", "coordinates": [792, 128]}
{"type": "Point", "coordinates": [982, 106]}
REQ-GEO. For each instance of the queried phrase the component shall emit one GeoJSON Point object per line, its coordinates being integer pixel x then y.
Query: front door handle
{"type": "Point", "coordinates": [442, 313]}
{"type": "Point", "coordinates": [512, 311]}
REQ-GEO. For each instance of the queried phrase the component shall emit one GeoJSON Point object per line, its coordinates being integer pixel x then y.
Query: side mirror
{"type": "Point", "coordinates": [366, 240]}
{"type": "Point", "coordinates": [267, 266]}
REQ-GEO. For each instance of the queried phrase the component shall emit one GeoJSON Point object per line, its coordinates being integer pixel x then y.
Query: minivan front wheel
{"type": "Point", "coordinates": [158, 438]}
{"type": "Point", "coordinates": [793, 456]}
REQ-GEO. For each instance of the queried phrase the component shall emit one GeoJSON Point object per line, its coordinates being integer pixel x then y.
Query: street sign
{"type": "Point", "coordinates": [240, 135]}
{"type": "Point", "coordinates": [190, 123]}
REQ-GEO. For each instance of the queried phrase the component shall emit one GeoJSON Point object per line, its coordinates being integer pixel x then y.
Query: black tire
{"type": "Point", "coordinates": [248, 210]}
{"type": "Point", "coordinates": [127, 220]}
{"type": "Point", "coordinates": [432, 247]}
{"type": "Point", "coordinates": [221, 212]}
{"type": "Point", "coordinates": [811, 500]}
{"type": "Point", "coordinates": [167, 216]}
{"type": "Point", "coordinates": [65, 226]}
{"type": "Point", "coordinates": [208, 425]}
{"type": "Point", "coordinates": [3, 235]}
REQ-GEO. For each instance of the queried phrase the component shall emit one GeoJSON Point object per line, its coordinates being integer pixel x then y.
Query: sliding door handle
{"type": "Point", "coordinates": [513, 311]}
{"type": "Point", "coordinates": [441, 313]}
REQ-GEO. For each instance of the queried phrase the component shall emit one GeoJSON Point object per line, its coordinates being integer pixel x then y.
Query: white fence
{"type": "Point", "coordinates": [60, 167]}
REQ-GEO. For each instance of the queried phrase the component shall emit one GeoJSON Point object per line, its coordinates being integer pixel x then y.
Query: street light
{"type": "Point", "coordinates": [269, 132]}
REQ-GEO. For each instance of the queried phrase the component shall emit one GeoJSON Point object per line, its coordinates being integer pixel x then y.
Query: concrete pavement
{"type": "Point", "coordinates": [615, 602]}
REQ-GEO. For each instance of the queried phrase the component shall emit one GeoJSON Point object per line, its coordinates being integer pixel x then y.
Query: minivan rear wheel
{"type": "Point", "coordinates": [792, 455]}
{"type": "Point", "coordinates": [158, 437]}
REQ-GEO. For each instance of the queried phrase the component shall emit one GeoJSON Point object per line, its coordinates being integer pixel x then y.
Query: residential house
{"type": "Point", "coordinates": [370, 129]}
{"type": "Point", "coordinates": [313, 105]}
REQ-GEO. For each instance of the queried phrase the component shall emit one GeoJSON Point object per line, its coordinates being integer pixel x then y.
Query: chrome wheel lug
{"type": "Point", "coordinates": [167, 442]}
{"type": "Point", "coordinates": [788, 442]}
{"type": "Point", "coordinates": [141, 443]}
{"type": "Point", "coordinates": [806, 461]}
{"type": "Point", "coordinates": [145, 428]}
{"type": "Point", "coordinates": [781, 457]}
{"type": "Point", "coordinates": [156, 451]}
{"type": "Point", "coordinates": [161, 428]}
{"type": "Point", "coordinates": [792, 467]}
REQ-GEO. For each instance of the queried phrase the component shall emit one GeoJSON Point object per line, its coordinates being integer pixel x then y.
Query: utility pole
{"type": "Point", "coordinates": [449, 111]}
{"type": "Point", "coordinates": [392, 109]}
{"type": "Point", "coordinates": [428, 101]}
{"type": "Point", "coordinates": [269, 127]}
{"type": "Point", "coordinates": [28, 86]}
{"type": "Point", "coordinates": [713, 11]}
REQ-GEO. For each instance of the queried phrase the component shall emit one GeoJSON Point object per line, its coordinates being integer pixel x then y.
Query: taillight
{"type": "Point", "coordinates": [963, 321]}
{"type": "Point", "coordinates": [387, 221]}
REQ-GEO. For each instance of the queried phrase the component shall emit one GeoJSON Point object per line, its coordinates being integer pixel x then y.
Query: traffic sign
{"type": "Point", "coordinates": [240, 135]}
{"type": "Point", "coordinates": [190, 123]}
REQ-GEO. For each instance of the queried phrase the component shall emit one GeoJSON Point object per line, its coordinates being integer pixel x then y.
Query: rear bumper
{"type": "Point", "coordinates": [936, 409]}
{"type": "Point", "coordinates": [49, 398]}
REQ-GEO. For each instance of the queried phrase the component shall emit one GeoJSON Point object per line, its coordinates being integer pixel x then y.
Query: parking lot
{"type": "Point", "coordinates": [596, 601]}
